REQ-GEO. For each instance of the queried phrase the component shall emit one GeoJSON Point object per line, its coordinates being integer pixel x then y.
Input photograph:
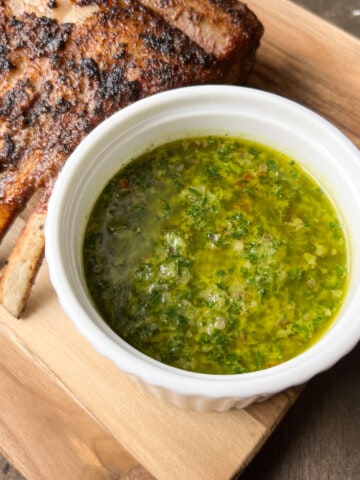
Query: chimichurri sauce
{"type": "Point", "coordinates": [216, 255]}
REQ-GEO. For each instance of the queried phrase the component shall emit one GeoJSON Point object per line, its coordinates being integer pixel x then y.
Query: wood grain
{"type": "Point", "coordinates": [66, 405]}
{"type": "Point", "coordinates": [43, 417]}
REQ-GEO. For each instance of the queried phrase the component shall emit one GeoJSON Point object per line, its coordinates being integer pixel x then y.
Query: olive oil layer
{"type": "Point", "coordinates": [216, 255]}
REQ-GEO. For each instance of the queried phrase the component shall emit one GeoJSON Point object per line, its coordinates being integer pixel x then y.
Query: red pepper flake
{"type": "Point", "coordinates": [247, 177]}
{"type": "Point", "coordinates": [124, 183]}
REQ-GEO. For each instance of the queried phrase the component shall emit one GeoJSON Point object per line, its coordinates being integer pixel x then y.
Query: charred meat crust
{"type": "Point", "coordinates": [65, 79]}
{"type": "Point", "coordinates": [59, 80]}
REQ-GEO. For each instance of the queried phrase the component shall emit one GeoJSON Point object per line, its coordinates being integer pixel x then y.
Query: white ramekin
{"type": "Point", "coordinates": [238, 111]}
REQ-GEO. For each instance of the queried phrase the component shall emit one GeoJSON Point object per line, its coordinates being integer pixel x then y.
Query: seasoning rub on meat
{"type": "Point", "coordinates": [66, 65]}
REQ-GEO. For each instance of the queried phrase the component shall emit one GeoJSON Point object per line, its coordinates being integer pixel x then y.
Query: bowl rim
{"type": "Point", "coordinates": [292, 372]}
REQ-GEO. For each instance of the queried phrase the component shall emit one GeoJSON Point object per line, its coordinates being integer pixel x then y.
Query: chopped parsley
{"type": "Point", "coordinates": [216, 255]}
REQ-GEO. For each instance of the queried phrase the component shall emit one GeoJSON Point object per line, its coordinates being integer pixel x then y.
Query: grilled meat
{"type": "Point", "coordinates": [64, 72]}
{"type": "Point", "coordinates": [223, 28]}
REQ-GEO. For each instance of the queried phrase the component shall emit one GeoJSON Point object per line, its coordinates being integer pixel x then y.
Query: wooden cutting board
{"type": "Point", "coordinates": [67, 413]}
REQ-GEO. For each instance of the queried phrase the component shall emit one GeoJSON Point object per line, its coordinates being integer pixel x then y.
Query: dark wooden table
{"type": "Point", "coordinates": [319, 439]}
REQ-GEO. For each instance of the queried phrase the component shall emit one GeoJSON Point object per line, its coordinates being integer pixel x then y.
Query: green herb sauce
{"type": "Point", "coordinates": [216, 255]}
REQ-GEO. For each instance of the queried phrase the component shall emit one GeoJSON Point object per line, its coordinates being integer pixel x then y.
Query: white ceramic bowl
{"type": "Point", "coordinates": [317, 145]}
